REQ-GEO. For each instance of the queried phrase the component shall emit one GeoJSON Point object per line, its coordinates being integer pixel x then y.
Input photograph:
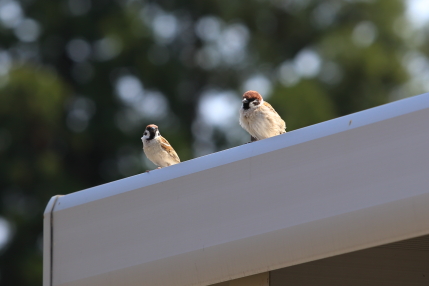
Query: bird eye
{"type": "Point", "coordinates": [145, 133]}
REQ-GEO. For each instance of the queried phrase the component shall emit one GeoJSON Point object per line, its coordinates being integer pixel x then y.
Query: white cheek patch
{"type": "Point", "coordinates": [254, 105]}
{"type": "Point", "coordinates": [145, 136]}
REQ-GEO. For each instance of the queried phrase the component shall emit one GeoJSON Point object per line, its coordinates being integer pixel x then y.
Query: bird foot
{"type": "Point", "coordinates": [252, 139]}
{"type": "Point", "coordinates": [147, 171]}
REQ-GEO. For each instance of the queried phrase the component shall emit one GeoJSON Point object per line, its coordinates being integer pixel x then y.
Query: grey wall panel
{"type": "Point", "coordinates": [312, 193]}
{"type": "Point", "coordinates": [390, 266]}
{"type": "Point", "coordinates": [261, 279]}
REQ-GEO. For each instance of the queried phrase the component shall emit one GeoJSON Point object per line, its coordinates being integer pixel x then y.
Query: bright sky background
{"type": "Point", "coordinates": [418, 12]}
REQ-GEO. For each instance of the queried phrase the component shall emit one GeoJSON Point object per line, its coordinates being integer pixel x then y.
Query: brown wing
{"type": "Point", "coordinates": [283, 123]}
{"type": "Point", "coordinates": [269, 106]}
{"type": "Point", "coordinates": [165, 145]}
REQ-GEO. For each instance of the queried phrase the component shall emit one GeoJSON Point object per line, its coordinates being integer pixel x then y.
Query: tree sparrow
{"type": "Point", "coordinates": [157, 148]}
{"type": "Point", "coordinates": [259, 118]}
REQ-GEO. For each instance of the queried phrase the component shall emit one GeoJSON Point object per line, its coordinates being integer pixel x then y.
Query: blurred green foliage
{"type": "Point", "coordinates": [80, 79]}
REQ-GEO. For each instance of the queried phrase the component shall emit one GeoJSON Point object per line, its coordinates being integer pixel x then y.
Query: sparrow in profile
{"type": "Point", "coordinates": [259, 118]}
{"type": "Point", "coordinates": [157, 148]}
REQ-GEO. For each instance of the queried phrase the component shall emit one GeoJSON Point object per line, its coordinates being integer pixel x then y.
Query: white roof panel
{"type": "Point", "coordinates": [342, 185]}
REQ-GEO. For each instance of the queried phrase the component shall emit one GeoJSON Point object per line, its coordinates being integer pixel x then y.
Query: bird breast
{"type": "Point", "coordinates": [261, 122]}
{"type": "Point", "coordinates": [155, 153]}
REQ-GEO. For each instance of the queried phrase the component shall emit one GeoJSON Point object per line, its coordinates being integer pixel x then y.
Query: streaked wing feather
{"type": "Point", "coordinates": [269, 106]}
{"type": "Point", "coordinates": [273, 110]}
{"type": "Point", "coordinates": [165, 145]}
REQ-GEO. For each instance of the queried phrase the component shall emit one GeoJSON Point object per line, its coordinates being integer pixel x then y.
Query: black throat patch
{"type": "Point", "coordinates": [246, 105]}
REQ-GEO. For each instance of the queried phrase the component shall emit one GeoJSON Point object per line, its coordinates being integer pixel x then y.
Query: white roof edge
{"type": "Point", "coordinates": [298, 136]}
{"type": "Point", "coordinates": [47, 240]}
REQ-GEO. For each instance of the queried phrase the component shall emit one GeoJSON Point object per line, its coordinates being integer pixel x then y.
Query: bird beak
{"type": "Point", "coordinates": [245, 101]}
{"type": "Point", "coordinates": [142, 138]}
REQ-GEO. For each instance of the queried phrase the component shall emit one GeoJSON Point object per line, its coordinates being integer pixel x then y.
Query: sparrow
{"type": "Point", "coordinates": [157, 148]}
{"type": "Point", "coordinates": [259, 118]}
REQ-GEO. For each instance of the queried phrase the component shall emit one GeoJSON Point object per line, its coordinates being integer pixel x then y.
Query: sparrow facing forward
{"type": "Point", "coordinates": [259, 118]}
{"type": "Point", "coordinates": [157, 148]}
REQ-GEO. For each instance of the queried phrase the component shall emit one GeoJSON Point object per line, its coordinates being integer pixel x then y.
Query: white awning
{"type": "Point", "coordinates": [350, 183]}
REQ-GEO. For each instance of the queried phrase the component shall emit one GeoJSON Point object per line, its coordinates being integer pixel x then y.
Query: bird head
{"type": "Point", "coordinates": [251, 99]}
{"type": "Point", "coordinates": [151, 132]}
